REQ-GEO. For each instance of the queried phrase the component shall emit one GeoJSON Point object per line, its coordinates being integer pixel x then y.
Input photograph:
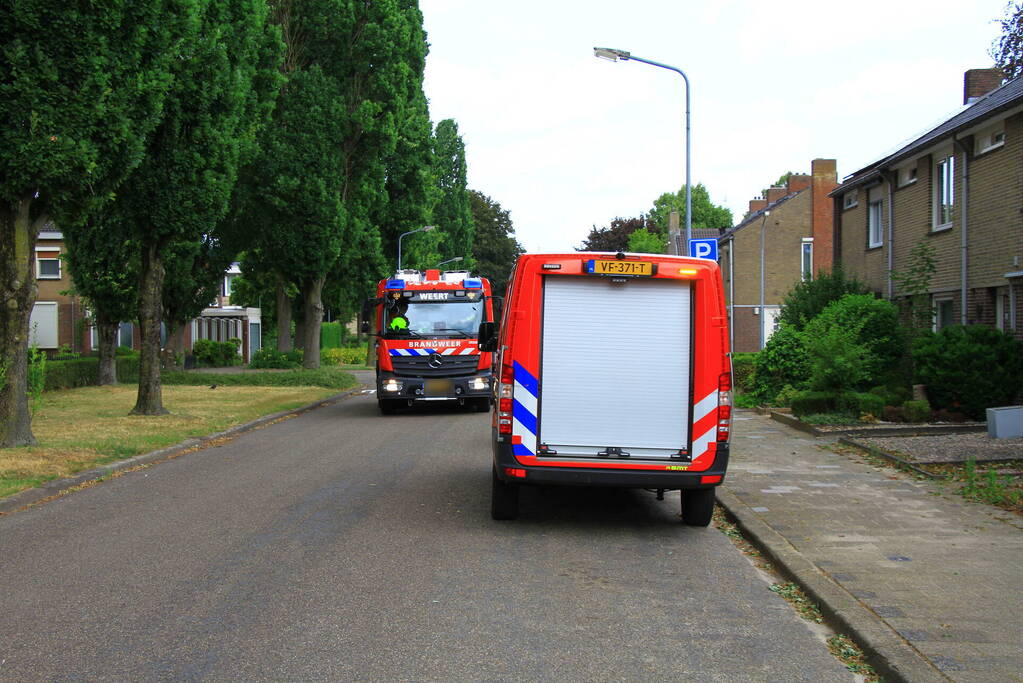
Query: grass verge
{"type": "Point", "coordinates": [80, 429]}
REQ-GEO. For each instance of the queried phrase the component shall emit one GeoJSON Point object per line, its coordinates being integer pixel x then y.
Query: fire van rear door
{"type": "Point", "coordinates": [615, 367]}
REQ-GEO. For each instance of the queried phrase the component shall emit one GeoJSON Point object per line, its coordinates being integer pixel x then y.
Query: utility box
{"type": "Point", "coordinates": [1005, 423]}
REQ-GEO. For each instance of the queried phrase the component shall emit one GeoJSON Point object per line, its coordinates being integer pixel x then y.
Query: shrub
{"type": "Point", "coordinates": [785, 396]}
{"type": "Point", "coordinates": [83, 372]}
{"type": "Point", "coordinates": [808, 298]}
{"type": "Point", "coordinates": [214, 354]}
{"type": "Point", "coordinates": [969, 368]}
{"type": "Point", "coordinates": [916, 411]}
{"type": "Point", "coordinates": [855, 342]}
{"type": "Point", "coordinates": [860, 404]}
{"type": "Point", "coordinates": [742, 372]}
{"type": "Point", "coordinates": [781, 362]}
{"type": "Point", "coordinates": [344, 356]}
{"type": "Point", "coordinates": [813, 402]}
{"type": "Point", "coordinates": [267, 358]}
{"type": "Point", "coordinates": [125, 351]}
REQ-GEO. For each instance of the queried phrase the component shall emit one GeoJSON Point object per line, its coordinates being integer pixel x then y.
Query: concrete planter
{"type": "Point", "coordinates": [1005, 423]}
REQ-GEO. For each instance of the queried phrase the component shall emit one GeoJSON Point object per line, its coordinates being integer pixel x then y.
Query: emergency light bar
{"type": "Point", "coordinates": [472, 284]}
{"type": "Point", "coordinates": [395, 284]}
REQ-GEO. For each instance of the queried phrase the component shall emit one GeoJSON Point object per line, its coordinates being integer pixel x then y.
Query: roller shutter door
{"type": "Point", "coordinates": [615, 366]}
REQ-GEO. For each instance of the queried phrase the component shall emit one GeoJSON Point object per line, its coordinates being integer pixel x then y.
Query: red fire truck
{"type": "Point", "coordinates": [426, 350]}
{"type": "Point", "coordinates": [614, 371]}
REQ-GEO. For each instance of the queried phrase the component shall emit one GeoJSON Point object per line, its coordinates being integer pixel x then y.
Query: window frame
{"type": "Point", "coordinates": [806, 273]}
{"type": "Point", "coordinates": [850, 199]}
{"type": "Point", "coordinates": [991, 138]}
{"type": "Point", "coordinates": [943, 181]}
{"type": "Point", "coordinates": [39, 268]}
{"type": "Point", "coordinates": [937, 303]}
{"type": "Point", "coordinates": [875, 223]}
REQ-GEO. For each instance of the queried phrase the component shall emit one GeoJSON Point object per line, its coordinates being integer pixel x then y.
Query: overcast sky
{"type": "Point", "coordinates": [565, 141]}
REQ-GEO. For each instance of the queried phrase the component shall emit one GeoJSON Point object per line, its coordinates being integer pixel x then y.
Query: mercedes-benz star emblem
{"type": "Point", "coordinates": [436, 360]}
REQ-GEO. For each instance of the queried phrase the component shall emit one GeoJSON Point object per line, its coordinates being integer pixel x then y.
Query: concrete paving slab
{"type": "Point", "coordinates": [927, 582]}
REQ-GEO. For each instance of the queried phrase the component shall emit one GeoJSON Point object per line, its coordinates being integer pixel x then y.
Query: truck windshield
{"type": "Point", "coordinates": [434, 319]}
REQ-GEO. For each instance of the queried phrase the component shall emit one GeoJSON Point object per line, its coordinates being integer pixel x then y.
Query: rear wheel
{"type": "Point", "coordinates": [388, 406]}
{"type": "Point", "coordinates": [697, 506]}
{"type": "Point", "coordinates": [504, 498]}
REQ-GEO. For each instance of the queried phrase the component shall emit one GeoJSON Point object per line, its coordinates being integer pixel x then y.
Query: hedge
{"type": "Point", "coordinates": [83, 372]}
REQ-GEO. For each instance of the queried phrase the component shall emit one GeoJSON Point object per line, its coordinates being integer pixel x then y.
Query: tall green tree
{"type": "Point", "coordinates": [103, 261]}
{"type": "Point", "coordinates": [706, 214]}
{"type": "Point", "coordinates": [225, 83]}
{"type": "Point", "coordinates": [1008, 48]}
{"type": "Point", "coordinates": [494, 247]}
{"type": "Point", "coordinates": [451, 213]}
{"type": "Point", "coordinates": [323, 172]}
{"type": "Point", "coordinates": [82, 86]}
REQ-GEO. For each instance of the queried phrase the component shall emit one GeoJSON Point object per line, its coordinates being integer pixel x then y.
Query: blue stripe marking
{"type": "Point", "coordinates": [527, 418]}
{"type": "Point", "coordinates": [523, 377]}
{"type": "Point", "coordinates": [519, 449]}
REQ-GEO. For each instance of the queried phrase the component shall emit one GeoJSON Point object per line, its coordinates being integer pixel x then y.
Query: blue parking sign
{"type": "Point", "coordinates": [707, 249]}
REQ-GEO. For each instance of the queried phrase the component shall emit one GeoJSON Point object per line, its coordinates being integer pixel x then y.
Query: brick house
{"type": "Point", "coordinates": [957, 188]}
{"type": "Point", "coordinates": [785, 237]}
{"type": "Point", "coordinates": [60, 318]}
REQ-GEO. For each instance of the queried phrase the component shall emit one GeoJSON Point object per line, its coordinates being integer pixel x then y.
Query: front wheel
{"type": "Point", "coordinates": [697, 506]}
{"type": "Point", "coordinates": [504, 498]}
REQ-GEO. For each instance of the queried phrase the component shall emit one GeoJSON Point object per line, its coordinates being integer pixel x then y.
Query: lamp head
{"type": "Point", "coordinates": [611, 54]}
{"type": "Point", "coordinates": [427, 228]}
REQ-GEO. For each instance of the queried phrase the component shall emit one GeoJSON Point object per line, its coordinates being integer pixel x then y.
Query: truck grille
{"type": "Point", "coordinates": [419, 366]}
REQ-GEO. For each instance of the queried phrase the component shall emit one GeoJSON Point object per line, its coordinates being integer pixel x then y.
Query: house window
{"type": "Point", "coordinates": [126, 335]}
{"type": "Point", "coordinates": [943, 314]}
{"type": "Point", "coordinates": [907, 176]}
{"type": "Point", "coordinates": [875, 221]}
{"type": "Point", "coordinates": [806, 259]}
{"type": "Point", "coordinates": [849, 199]}
{"type": "Point", "coordinates": [944, 191]}
{"type": "Point", "coordinates": [48, 268]}
{"type": "Point", "coordinates": [989, 138]}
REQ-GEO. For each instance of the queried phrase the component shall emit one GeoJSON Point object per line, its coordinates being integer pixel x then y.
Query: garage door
{"type": "Point", "coordinates": [615, 367]}
{"type": "Point", "coordinates": [43, 325]}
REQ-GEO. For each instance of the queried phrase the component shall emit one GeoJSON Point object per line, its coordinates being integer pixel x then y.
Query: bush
{"type": "Point", "coordinates": [860, 404]}
{"type": "Point", "coordinates": [807, 299]}
{"type": "Point", "coordinates": [854, 343]}
{"type": "Point", "coordinates": [785, 396]}
{"type": "Point", "coordinates": [814, 402]}
{"type": "Point", "coordinates": [331, 379]}
{"type": "Point", "coordinates": [969, 368]}
{"type": "Point", "coordinates": [916, 411]}
{"type": "Point", "coordinates": [83, 372]}
{"type": "Point", "coordinates": [742, 372]}
{"type": "Point", "coordinates": [214, 354]}
{"type": "Point", "coordinates": [782, 362]}
{"type": "Point", "coordinates": [893, 396]}
{"type": "Point", "coordinates": [267, 358]}
{"type": "Point", "coordinates": [344, 356]}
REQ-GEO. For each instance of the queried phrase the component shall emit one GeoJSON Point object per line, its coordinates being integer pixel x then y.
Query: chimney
{"type": "Point", "coordinates": [979, 82]}
{"type": "Point", "coordinates": [775, 193]}
{"type": "Point", "coordinates": [797, 182]}
{"type": "Point", "coordinates": [756, 205]}
{"type": "Point", "coordinates": [825, 179]}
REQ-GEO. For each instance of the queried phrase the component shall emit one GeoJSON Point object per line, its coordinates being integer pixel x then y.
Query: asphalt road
{"type": "Point", "coordinates": [342, 545]}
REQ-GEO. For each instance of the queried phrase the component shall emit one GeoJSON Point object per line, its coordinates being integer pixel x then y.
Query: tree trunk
{"type": "Point", "coordinates": [313, 314]}
{"type": "Point", "coordinates": [106, 330]}
{"type": "Point", "coordinates": [283, 316]}
{"type": "Point", "coordinates": [300, 334]}
{"type": "Point", "coordinates": [150, 396]}
{"type": "Point", "coordinates": [18, 233]}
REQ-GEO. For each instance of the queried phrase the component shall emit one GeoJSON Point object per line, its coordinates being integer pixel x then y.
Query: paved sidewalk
{"type": "Point", "coordinates": [929, 583]}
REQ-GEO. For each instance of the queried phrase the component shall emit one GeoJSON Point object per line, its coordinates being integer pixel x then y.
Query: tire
{"type": "Point", "coordinates": [388, 406]}
{"type": "Point", "coordinates": [481, 405]}
{"type": "Point", "coordinates": [697, 506]}
{"type": "Point", "coordinates": [504, 498]}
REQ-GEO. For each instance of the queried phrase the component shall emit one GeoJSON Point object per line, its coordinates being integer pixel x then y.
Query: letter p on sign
{"type": "Point", "coordinates": [707, 249]}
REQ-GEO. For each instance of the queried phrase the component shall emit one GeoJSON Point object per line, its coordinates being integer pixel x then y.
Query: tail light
{"type": "Point", "coordinates": [724, 406]}
{"type": "Point", "coordinates": [504, 400]}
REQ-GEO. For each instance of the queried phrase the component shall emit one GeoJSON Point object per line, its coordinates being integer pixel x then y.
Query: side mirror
{"type": "Point", "coordinates": [488, 336]}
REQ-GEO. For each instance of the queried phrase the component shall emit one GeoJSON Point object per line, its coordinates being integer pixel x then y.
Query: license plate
{"type": "Point", "coordinates": [634, 268]}
{"type": "Point", "coordinates": [439, 387]}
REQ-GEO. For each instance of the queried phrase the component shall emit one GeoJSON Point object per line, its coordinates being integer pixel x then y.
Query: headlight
{"type": "Point", "coordinates": [479, 383]}
{"type": "Point", "coordinates": [392, 385]}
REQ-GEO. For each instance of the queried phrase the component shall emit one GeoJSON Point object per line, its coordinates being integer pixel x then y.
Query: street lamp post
{"type": "Point", "coordinates": [450, 260]}
{"type": "Point", "coordinates": [410, 232]}
{"type": "Point", "coordinates": [614, 55]}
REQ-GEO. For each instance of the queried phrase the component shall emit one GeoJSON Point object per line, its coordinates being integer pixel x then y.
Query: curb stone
{"type": "Point", "coordinates": [30, 497]}
{"type": "Point", "coordinates": [890, 655]}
